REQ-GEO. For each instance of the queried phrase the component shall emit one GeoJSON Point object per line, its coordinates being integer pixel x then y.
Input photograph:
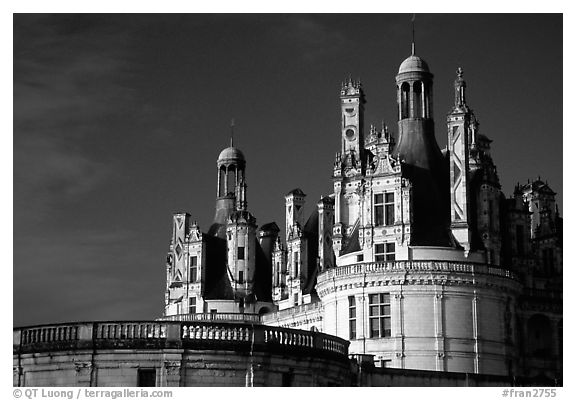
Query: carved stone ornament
{"type": "Point", "coordinates": [195, 234]}
{"type": "Point", "coordinates": [82, 366]}
{"type": "Point", "coordinates": [172, 367]}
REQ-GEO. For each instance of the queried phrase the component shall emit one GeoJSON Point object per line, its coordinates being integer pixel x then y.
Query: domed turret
{"type": "Point", "coordinates": [413, 64]}
{"type": "Point", "coordinates": [230, 155]}
{"type": "Point", "coordinates": [417, 148]}
{"type": "Point", "coordinates": [231, 191]}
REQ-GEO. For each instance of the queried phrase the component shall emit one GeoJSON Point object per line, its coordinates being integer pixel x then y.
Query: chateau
{"type": "Point", "coordinates": [417, 257]}
{"type": "Point", "coordinates": [417, 267]}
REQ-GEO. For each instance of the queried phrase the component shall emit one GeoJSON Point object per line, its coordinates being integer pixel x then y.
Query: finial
{"type": "Point", "coordinates": [460, 72]}
{"type": "Point", "coordinates": [413, 35]}
{"type": "Point", "coordinates": [232, 133]}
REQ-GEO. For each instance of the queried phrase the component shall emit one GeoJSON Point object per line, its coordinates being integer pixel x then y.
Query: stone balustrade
{"type": "Point", "coordinates": [174, 334]}
{"type": "Point", "coordinates": [299, 310]}
{"type": "Point", "coordinates": [415, 266]}
{"type": "Point", "coordinates": [226, 317]}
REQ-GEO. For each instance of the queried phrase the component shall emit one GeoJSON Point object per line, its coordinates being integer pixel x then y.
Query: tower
{"type": "Point", "coordinates": [241, 245]}
{"type": "Point", "coordinates": [325, 224]}
{"type": "Point", "coordinates": [461, 136]}
{"type": "Point", "coordinates": [231, 189]}
{"type": "Point", "coordinates": [295, 200]}
{"type": "Point", "coordinates": [352, 102]}
{"type": "Point", "coordinates": [422, 161]}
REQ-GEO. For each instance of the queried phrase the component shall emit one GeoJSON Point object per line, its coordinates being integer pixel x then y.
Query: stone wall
{"type": "Point", "coordinates": [177, 354]}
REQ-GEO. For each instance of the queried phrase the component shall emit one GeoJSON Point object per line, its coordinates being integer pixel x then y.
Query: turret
{"type": "Point", "coordinates": [461, 132]}
{"type": "Point", "coordinates": [231, 189]}
{"type": "Point", "coordinates": [422, 161]}
{"type": "Point", "coordinates": [352, 102]}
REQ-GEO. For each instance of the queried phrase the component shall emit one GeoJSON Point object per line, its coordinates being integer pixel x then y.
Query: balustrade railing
{"type": "Point", "coordinates": [161, 333]}
{"type": "Point", "coordinates": [224, 317]}
{"type": "Point", "coordinates": [300, 310]}
{"type": "Point", "coordinates": [409, 266]}
{"type": "Point", "coordinates": [131, 330]}
{"type": "Point", "coordinates": [46, 334]}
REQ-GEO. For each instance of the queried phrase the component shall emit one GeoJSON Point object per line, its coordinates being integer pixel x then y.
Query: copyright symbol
{"type": "Point", "coordinates": [17, 393]}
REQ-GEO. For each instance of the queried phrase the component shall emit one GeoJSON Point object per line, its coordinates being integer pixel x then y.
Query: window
{"type": "Point", "coordinates": [240, 276]}
{"type": "Point", "coordinates": [192, 305]}
{"type": "Point", "coordinates": [417, 91]}
{"type": "Point", "coordinates": [384, 209]}
{"type": "Point", "coordinates": [295, 299]}
{"type": "Point", "coordinates": [352, 317]}
{"type": "Point", "coordinates": [378, 209]}
{"type": "Point", "coordinates": [296, 263]}
{"type": "Point", "coordinates": [385, 252]}
{"type": "Point", "coordinates": [278, 272]}
{"type": "Point", "coordinates": [240, 253]}
{"type": "Point", "coordinates": [360, 258]}
{"type": "Point", "coordinates": [193, 269]}
{"type": "Point", "coordinates": [379, 315]}
{"type": "Point", "coordinates": [404, 98]}
{"type": "Point", "coordinates": [389, 209]}
{"type": "Point", "coordinates": [146, 377]}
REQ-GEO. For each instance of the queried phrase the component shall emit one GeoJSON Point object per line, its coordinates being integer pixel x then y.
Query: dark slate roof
{"type": "Point", "coordinates": [216, 283]}
{"type": "Point", "coordinates": [269, 227]}
{"type": "Point", "coordinates": [427, 170]}
{"type": "Point", "coordinates": [310, 231]}
{"type": "Point", "coordinates": [353, 241]}
{"type": "Point", "coordinates": [262, 275]}
{"type": "Point", "coordinates": [538, 186]}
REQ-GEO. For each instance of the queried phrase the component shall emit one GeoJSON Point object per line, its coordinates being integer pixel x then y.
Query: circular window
{"type": "Point", "coordinates": [350, 133]}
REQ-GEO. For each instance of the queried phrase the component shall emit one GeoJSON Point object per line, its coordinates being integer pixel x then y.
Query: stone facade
{"type": "Point", "coordinates": [177, 354]}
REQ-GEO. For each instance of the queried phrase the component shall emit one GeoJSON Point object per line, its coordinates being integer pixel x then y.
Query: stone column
{"type": "Point", "coordinates": [439, 330]}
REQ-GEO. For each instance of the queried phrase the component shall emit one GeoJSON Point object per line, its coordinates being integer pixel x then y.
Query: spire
{"type": "Point", "coordinates": [413, 35]}
{"type": "Point", "coordinates": [232, 133]}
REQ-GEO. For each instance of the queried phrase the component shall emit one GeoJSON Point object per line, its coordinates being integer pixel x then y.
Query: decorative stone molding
{"type": "Point", "coordinates": [172, 367]}
{"type": "Point", "coordinates": [82, 367]}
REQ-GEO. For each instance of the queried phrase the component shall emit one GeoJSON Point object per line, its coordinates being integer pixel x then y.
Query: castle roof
{"type": "Point", "coordinates": [413, 64]}
{"type": "Point", "coordinates": [231, 153]}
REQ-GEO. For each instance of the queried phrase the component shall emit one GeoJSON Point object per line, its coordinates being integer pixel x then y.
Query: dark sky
{"type": "Point", "coordinates": [119, 119]}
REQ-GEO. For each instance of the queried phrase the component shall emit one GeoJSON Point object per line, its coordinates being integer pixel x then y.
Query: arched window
{"type": "Point", "coordinates": [231, 180]}
{"type": "Point", "coordinates": [417, 100]}
{"type": "Point", "coordinates": [222, 181]}
{"type": "Point", "coordinates": [404, 99]}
